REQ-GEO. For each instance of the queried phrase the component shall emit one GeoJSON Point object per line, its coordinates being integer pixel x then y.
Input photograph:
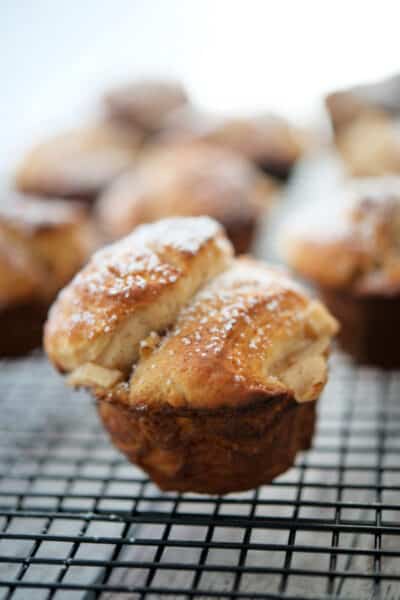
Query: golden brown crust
{"type": "Point", "coordinates": [222, 396]}
{"type": "Point", "coordinates": [213, 452]}
{"type": "Point", "coordinates": [42, 245]}
{"type": "Point", "coordinates": [78, 164]}
{"type": "Point", "coordinates": [357, 272]}
{"type": "Point", "coordinates": [239, 325]}
{"type": "Point", "coordinates": [189, 180]}
{"type": "Point", "coordinates": [139, 283]}
{"type": "Point", "coordinates": [145, 103]}
{"type": "Point", "coordinates": [242, 333]}
{"type": "Point", "coordinates": [360, 251]}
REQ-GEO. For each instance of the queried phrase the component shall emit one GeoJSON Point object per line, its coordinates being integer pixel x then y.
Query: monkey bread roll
{"type": "Point", "coordinates": [145, 103]}
{"type": "Point", "coordinates": [42, 245]}
{"type": "Point", "coordinates": [355, 264]}
{"type": "Point", "coordinates": [206, 369]}
{"type": "Point", "coordinates": [345, 106]}
{"type": "Point", "coordinates": [80, 163]}
{"type": "Point", "coordinates": [267, 140]}
{"type": "Point", "coordinates": [365, 125]}
{"type": "Point", "coordinates": [370, 146]}
{"type": "Point", "coordinates": [189, 180]}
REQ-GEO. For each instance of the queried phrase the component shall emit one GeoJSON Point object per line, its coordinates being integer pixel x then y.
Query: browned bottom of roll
{"type": "Point", "coordinates": [242, 236]}
{"type": "Point", "coordinates": [370, 326]}
{"type": "Point", "coordinates": [213, 452]}
{"type": "Point", "coordinates": [21, 328]}
{"type": "Point", "coordinates": [279, 169]}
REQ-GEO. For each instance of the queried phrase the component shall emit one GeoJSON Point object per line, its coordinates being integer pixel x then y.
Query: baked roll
{"type": "Point", "coordinates": [370, 146]}
{"type": "Point", "coordinates": [366, 129]}
{"type": "Point", "coordinates": [269, 141]}
{"type": "Point", "coordinates": [145, 103]}
{"type": "Point", "coordinates": [206, 369]}
{"type": "Point", "coordinates": [355, 263]}
{"type": "Point", "coordinates": [42, 245]}
{"type": "Point", "coordinates": [347, 105]}
{"type": "Point", "coordinates": [189, 180]}
{"type": "Point", "coordinates": [80, 163]}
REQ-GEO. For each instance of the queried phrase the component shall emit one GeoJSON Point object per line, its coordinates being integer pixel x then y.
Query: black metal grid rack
{"type": "Point", "coordinates": [77, 521]}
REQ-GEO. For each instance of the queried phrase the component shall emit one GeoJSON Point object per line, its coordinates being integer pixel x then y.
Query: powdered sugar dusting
{"type": "Point", "coordinates": [31, 214]}
{"type": "Point", "coordinates": [120, 277]}
{"type": "Point", "coordinates": [353, 240]}
{"type": "Point", "coordinates": [234, 316]}
{"type": "Point", "coordinates": [183, 234]}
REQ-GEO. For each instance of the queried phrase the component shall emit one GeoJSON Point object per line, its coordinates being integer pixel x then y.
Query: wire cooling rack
{"type": "Point", "coordinates": [77, 521]}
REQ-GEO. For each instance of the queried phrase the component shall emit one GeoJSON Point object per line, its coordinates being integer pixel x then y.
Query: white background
{"type": "Point", "coordinates": [57, 55]}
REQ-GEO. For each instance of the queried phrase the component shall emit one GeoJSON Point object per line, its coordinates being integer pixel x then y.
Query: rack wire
{"type": "Point", "coordinates": [77, 521]}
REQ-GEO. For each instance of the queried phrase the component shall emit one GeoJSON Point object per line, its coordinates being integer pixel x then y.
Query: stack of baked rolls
{"type": "Point", "coordinates": [80, 163]}
{"type": "Point", "coordinates": [355, 263]}
{"type": "Point", "coordinates": [189, 180]}
{"type": "Point", "coordinates": [162, 110]}
{"type": "Point", "coordinates": [269, 141]}
{"type": "Point", "coordinates": [121, 167]}
{"type": "Point", "coordinates": [42, 245]}
{"type": "Point", "coordinates": [206, 368]}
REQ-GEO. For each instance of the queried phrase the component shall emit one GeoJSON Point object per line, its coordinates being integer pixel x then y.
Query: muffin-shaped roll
{"type": "Point", "coordinates": [206, 369]}
{"type": "Point", "coordinates": [370, 146]}
{"type": "Point", "coordinates": [269, 141]}
{"type": "Point", "coordinates": [347, 105]}
{"type": "Point", "coordinates": [42, 245]}
{"type": "Point", "coordinates": [366, 128]}
{"type": "Point", "coordinates": [355, 262]}
{"type": "Point", "coordinates": [192, 180]}
{"type": "Point", "coordinates": [145, 103]}
{"type": "Point", "coordinates": [80, 163]}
